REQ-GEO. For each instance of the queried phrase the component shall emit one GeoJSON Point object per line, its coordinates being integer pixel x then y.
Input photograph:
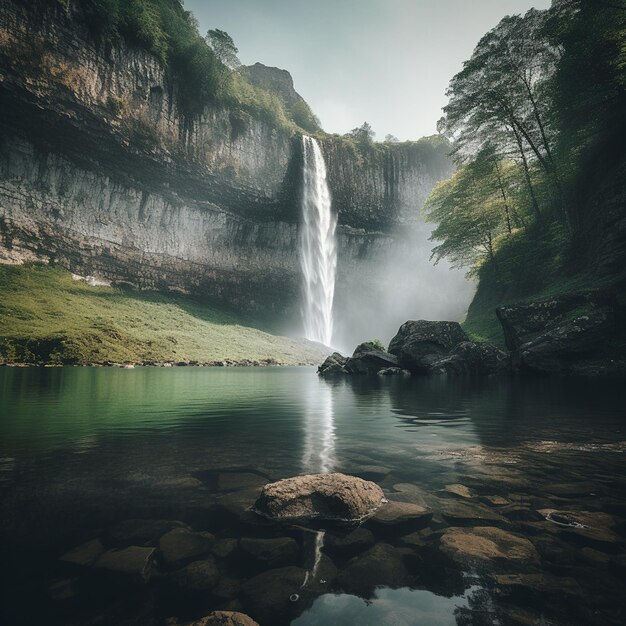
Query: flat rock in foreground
{"type": "Point", "coordinates": [320, 496]}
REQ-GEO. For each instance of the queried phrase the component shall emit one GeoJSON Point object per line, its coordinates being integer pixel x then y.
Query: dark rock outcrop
{"type": "Point", "coordinates": [368, 358]}
{"type": "Point", "coordinates": [471, 357]}
{"type": "Point", "coordinates": [566, 334]}
{"type": "Point", "coordinates": [334, 364]}
{"type": "Point", "coordinates": [420, 344]}
{"type": "Point", "coordinates": [335, 497]}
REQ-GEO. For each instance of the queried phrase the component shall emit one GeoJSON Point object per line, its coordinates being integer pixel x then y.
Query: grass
{"type": "Point", "coordinates": [47, 316]}
{"type": "Point", "coordinates": [531, 265]}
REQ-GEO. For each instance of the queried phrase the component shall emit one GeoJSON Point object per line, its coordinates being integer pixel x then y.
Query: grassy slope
{"type": "Point", "coordinates": [46, 315]}
{"type": "Point", "coordinates": [530, 266]}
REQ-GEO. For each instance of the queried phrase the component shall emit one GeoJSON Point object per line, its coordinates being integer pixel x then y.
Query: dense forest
{"type": "Point", "coordinates": [537, 119]}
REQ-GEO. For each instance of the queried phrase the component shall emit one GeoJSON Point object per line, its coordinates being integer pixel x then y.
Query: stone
{"type": "Point", "coordinates": [565, 334]}
{"type": "Point", "coordinates": [64, 589]}
{"type": "Point", "coordinates": [225, 618]}
{"type": "Point", "coordinates": [227, 588]}
{"type": "Point", "coordinates": [134, 562]}
{"type": "Point", "coordinates": [320, 496]}
{"type": "Point", "coordinates": [469, 514]}
{"type": "Point", "coordinates": [459, 490]}
{"type": "Point", "coordinates": [224, 548]}
{"type": "Point", "coordinates": [393, 371]}
{"type": "Point", "coordinates": [84, 555]}
{"type": "Point", "coordinates": [351, 544]}
{"type": "Point", "coordinates": [179, 483]}
{"type": "Point", "coordinates": [201, 575]}
{"type": "Point", "coordinates": [181, 546]}
{"type": "Point", "coordinates": [409, 492]}
{"type": "Point", "coordinates": [268, 594]}
{"type": "Point", "coordinates": [334, 365]}
{"type": "Point", "coordinates": [273, 552]}
{"type": "Point", "coordinates": [140, 532]}
{"type": "Point", "coordinates": [471, 357]}
{"type": "Point", "coordinates": [234, 481]}
{"type": "Point", "coordinates": [584, 526]}
{"type": "Point", "coordinates": [375, 473]}
{"type": "Point", "coordinates": [382, 565]}
{"type": "Point", "coordinates": [419, 344]}
{"type": "Point", "coordinates": [541, 583]}
{"type": "Point", "coordinates": [487, 545]}
{"type": "Point", "coordinates": [369, 359]}
{"type": "Point", "coordinates": [399, 517]}
{"type": "Point", "coordinates": [496, 500]}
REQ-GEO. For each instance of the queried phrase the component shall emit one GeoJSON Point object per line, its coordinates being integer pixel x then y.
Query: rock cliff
{"type": "Point", "coordinates": [103, 174]}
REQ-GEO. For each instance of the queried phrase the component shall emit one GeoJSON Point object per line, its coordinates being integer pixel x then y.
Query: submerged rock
{"type": "Point", "coordinates": [135, 562]}
{"type": "Point", "coordinates": [469, 514]}
{"type": "Point", "coordinates": [395, 518]}
{"type": "Point", "coordinates": [320, 496]}
{"type": "Point", "coordinates": [140, 532]}
{"type": "Point", "coordinates": [351, 544]}
{"type": "Point", "coordinates": [394, 371]}
{"type": "Point", "coordinates": [487, 544]}
{"type": "Point", "coordinates": [181, 546]}
{"type": "Point", "coordinates": [274, 552]}
{"type": "Point", "coordinates": [225, 618]}
{"type": "Point", "coordinates": [84, 555]}
{"type": "Point", "coordinates": [197, 576]}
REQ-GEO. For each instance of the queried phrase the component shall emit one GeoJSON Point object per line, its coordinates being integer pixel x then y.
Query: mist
{"type": "Point", "coordinates": [394, 283]}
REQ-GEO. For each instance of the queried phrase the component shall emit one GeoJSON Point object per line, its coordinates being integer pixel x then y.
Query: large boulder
{"type": "Point", "coordinates": [225, 618]}
{"type": "Point", "coordinates": [320, 496]}
{"type": "Point", "coordinates": [368, 358]}
{"type": "Point", "coordinates": [334, 364]}
{"type": "Point", "coordinates": [420, 344]}
{"type": "Point", "coordinates": [471, 357]}
{"type": "Point", "coordinates": [565, 334]}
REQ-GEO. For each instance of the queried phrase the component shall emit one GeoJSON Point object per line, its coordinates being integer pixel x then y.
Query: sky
{"type": "Point", "coordinates": [387, 62]}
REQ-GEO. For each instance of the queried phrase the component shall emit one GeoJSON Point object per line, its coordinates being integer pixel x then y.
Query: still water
{"type": "Point", "coordinates": [82, 449]}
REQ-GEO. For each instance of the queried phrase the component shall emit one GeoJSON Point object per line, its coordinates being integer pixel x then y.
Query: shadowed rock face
{"type": "Point", "coordinates": [320, 496]}
{"type": "Point", "coordinates": [574, 333]}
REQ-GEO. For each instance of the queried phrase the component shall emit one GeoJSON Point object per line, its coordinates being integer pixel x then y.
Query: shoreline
{"type": "Point", "coordinates": [222, 364]}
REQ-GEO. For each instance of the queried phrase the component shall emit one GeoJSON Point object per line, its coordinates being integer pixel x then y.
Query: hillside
{"type": "Point", "coordinates": [47, 316]}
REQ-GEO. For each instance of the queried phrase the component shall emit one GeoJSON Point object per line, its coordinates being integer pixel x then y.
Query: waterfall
{"type": "Point", "coordinates": [318, 247]}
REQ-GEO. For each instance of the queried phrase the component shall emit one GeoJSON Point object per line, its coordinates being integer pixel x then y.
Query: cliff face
{"type": "Point", "coordinates": [101, 173]}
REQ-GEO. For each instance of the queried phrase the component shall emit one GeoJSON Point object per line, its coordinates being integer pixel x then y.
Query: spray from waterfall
{"type": "Point", "coordinates": [318, 246]}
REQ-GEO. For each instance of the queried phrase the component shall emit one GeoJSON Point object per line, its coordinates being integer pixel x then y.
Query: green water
{"type": "Point", "coordinates": [83, 448]}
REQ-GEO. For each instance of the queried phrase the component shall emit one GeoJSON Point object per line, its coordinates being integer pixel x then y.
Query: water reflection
{"type": "Point", "coordinates": [318, 455]}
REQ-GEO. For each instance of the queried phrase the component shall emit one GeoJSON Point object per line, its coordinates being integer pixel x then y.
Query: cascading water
{"type": "Point", "coordinates": [318, 246]}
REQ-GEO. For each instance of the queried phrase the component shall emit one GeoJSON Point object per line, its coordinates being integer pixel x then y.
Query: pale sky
{"type": "Point", "coordinates": [387, 62]}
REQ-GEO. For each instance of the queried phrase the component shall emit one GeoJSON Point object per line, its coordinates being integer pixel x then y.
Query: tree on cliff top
{"type": "Point", "coordinates": [224, 48]}
{"type": "Point", "coordinates": [364, 134]}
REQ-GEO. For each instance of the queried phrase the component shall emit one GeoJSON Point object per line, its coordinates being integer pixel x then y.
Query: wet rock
{"type": "Point", "coordinates": [375, 473]}
{"type": "Point", "coordinates": [237, 509]}
{"type": "Point", "coordinates": [470, 357]}
{"type": "Point", "coordinates": [394, 371]}
{"type": "Point", "coordinates": [459, 490]}
{"type": "Point", "coordinates": [227, 588]}
{"type": "Point", "coordinates": [182, 482]}
{"type": "Point", "coordinates": [351, 544]}
{"type": "Point", "coordinates": [565, 334]}
{"type": "Point", "coordinates": [584, 526]}
{"type": "Point", "coordinates": [541, 583]}
{"type": "Point", "coordinates": [140, 532]}
{"type": "Point", "coordinates": [369, 359]}
{"type": "Point", "coordinates": [521, 514]}
{"type": "Point", "coordinates": [382, 565]}
{"type": "Point", "coordinates": [197, 576]}
{"type": "Point", "coordinates": [487, 545]}
{"type": "Point", "coordinates": [84, 555]}
{"type": "Point", "coordinates": [234, 481]}
{"type": "Point", "coordinates": [134, 562]}
{"type": "Point", "coordinates": [334, 365]}
{"type": "Point", "coordinates": [268, 594]}
{"type": "Point", "coordinates": [419, 344]}
{"type": "Point", "coordinates": [407, 492]}
{"type": "Point", "coordinates": [64, 589]}
{"type": "Point", "coordinates": [225, 618]}
{"type": "Point", "coordinates": [320, 496]}
{"type": "Point", "coordinates": [273, 552]}
{"type": "Point", "coordinates": [496, 500]}
{"type": "Point", "coordinates": [470, 514]}
{"type": "Point", "coordinates": [395, 518]}
{"type": "Point", "coordinates": [224, 548]}
{"type": "Point", "coordinates": [181, 546]}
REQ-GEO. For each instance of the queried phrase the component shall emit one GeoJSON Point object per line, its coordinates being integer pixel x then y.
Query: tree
{"type": "Point", "coordinates": [501, 97]}
{"type": "Point", "coordinates": [363, 134]}
{"type": "Point", "coordinates": [224, 48]}
{"type": "Point", "coordinates": [391, 139]}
